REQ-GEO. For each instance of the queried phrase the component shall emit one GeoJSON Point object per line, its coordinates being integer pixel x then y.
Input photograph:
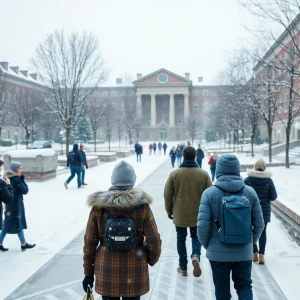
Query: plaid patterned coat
{"type": "Point", "coordinates": [121, 273]}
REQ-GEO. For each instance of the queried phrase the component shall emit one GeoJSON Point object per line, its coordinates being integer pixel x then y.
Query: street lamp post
{"type": "Point", "coordinates": [278, 135]}
{"type": "Point", "coordinates": [126, 139]}
{"type": "Point", "coordinates": [61, 140]}
{"type": "Point", "coordinates": [16, 139]}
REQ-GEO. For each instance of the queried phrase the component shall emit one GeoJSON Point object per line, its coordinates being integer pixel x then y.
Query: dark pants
{"type": "Point", "coordinates": [165, 151]}
{"type": "Point", "coordinates": [241, 276]}
{"type": "Point", "coordinates": [262, 242]}
{"type": "Point", "coordinates": [213, 174]}
{"type": "Point", "coordinates": [82, 175]}
{"type": "Point", "coordinates": [75, 170]}
{"type": "Point", "coordinates": [199, 162]}
{"type": "Point", "coordinates": [173, 161]}
{"type": "Point", "coordinates": [118, 298]}
{"type": "Point", "coordinates": [181, 247]}
{"type": "Point", "coordinates": [138, 157]}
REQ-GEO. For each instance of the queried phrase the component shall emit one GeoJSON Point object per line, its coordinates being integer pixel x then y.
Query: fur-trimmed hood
{"type": "Point", "coordinates": [119, 199]}
{"type": "Point", "coordinates": [10, 174]}
{"type": "Point", "coordinates": [259, 174]}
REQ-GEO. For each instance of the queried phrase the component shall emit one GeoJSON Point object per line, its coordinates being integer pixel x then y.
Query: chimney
{"type": "Point", "coordinates": [187, 75]}
{"type": "Point", "coordinates": [139, 75]}
{"type": "Point", "coordinates": [34, 76]}
{"type": "Point", "coordinates": [4, 65]}
{"type": "Point", "coordinates": [200, 79]}
{"type": "Point", "coordinates": [15, 69]}
{"type": "Point", "coordinates": [119, 81]}
{"type": "Point", "coordinates": [24, 72]}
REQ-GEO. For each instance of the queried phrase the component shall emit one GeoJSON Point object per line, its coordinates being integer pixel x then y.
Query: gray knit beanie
{"type": "Point", "coordinates": [228, 164]}
{"type": "Point", "coordinates": [14, 165]}
{"type": "Point", "coordinates": [123, 175]}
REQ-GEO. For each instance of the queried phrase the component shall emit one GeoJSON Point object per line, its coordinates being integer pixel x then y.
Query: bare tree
{"type": "Point", "coordinates": [4, 107]}
{"type": "Point", "coordinates": [120, 129]}
{"type": "Point", "coordinates": [71, 67]}
{"type": "Point", "coordinates": [109, 121]}
{"type": "Point", "coordinates": [95, 111]}
{"type": "Point", "coordinates": [26, 109]}
{"type": "Point", "coordinates": [192, 126]}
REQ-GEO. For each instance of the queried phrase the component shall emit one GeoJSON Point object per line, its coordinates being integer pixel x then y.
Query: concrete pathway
{"type": "Point", "coordinates": [61, 277]}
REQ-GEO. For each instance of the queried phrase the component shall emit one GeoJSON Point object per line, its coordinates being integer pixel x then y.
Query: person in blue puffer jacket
{"type": "Point", "coordinates": [227, 258]}
{"type": "Point", "coordinates": [260, 180]}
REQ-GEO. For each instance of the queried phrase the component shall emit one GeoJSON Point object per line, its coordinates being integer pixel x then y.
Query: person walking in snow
{"type": "Point", "coordinates": [150, 149]}
{"type": "Point", "coordinates": [84, 165]}
{"type": "Point", "coordinates": [165, 146]}
{"type": "Point", "coordinates": [120, 273]}
{"type": "Point", "coordinates": [227, 258]}
{"type": "Point", "coordinates": [154, 148]}
{"type": "Point", "coordinates": [179, 152]}
{"type": "Point", "coordinates": [173, 156]}
{"type": "Point", "coordinates": [15, 219]}
{"type": "Point", "coordinates": [159, 146]}
{"type": "Point", "coordinates": [260, 180]}
{"type": "Point", "coordinates": [75, 162]}
{"type": "Point", "coordinates": [213, 163]}
{"type": "Point", "coordinates": [139, 151]}
{"type": "Point", "coordinates": [182, 193]}
{"type": "Point", "coordinates": [200, 156]}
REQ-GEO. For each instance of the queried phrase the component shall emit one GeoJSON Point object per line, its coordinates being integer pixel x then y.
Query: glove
{"type": "Point", "coordinates": [170, 217]}
{"type": "Point", "coordinates": [87, 281]}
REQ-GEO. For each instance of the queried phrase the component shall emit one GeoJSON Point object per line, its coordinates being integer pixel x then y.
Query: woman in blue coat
{"type": "Point", "coordinates": [15, 220]}
{"type": "Point", "coordinates": [260, 180]}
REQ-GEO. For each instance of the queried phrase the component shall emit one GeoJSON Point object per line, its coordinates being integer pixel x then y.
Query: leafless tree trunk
{"type": "Point", "coordinates": [192, 126]}
{"type": "Point", "coordinates": [71, 67]}
{"type": "Point", "coordinates": [109, 121]}
{"type": "Point", "coordinates": [120, 129]}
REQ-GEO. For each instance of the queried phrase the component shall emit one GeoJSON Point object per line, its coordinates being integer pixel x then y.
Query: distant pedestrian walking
{"type": "Point", "coordinates": [182, 194]}
{"type": "Point", "coordinates": [165, 146]}
{"type": "Point", "coordinates": [179, 152]}
{"type": "Point", "coordinates": [229, 221]}
{"type": "Point", "coordinates": [15, 219]}
{"type": "Point", "coordinates": [150, 149]}
{"type": "Point", "coordinates": [200, 156]}
{"type": "Point", "coordinates": [213, 163]}
{"type": "Point", "coordinates": [159, 146]}
{"type": "Point", "coordinates": [260, 180]}
{"type": "Point", "coordinates": [139, 151]}
{"type": "Point", "coordinates": [84, 165]}
{"type": "Point", "coordinates": [124, 210]}
{"type": "Point", "coordinates": [75, 162]}
{"type": "Point", "coordinates": [154, 148]}
{"type": "Point", "coordinates": [173, 156]}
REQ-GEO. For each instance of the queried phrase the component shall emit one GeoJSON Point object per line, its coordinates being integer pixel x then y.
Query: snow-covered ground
{"type": "Point", "coordinates": [55, 216]}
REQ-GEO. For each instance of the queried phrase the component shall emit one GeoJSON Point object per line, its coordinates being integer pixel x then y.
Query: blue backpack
{"type": "Point", "coordinates": [234, 220]}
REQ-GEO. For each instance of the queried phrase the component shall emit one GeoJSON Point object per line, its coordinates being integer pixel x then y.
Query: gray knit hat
{"type": "Point", "coordinates": [228, 164]}
{"type": "Point", "coordinates": [14, 165]}
{"type": "Point", "coordinates": [123, 175]}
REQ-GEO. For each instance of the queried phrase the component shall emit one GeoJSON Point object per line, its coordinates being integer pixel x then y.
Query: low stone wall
{"type": "Point", "coordinates": [38, 165]}
{"type": "Point", "coordinates": [245, 167]}
{"type": "Point", "coordinates": [91, 160]}
{"type": "Point", "coordinates": [289, 219]}
{"type": "Point", "coordinates": [123, 153]}
{"type": "Point", "coordinates": [103, 156]}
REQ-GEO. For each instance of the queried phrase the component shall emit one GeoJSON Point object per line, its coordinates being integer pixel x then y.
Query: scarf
{"type": "Point", "coordinates": [189, 164]}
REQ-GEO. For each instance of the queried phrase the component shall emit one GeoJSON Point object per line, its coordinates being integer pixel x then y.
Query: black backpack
{"type": "Point", "coordinates": [120, 232]}
{"type": "Point", "coordinates": [72, 157]}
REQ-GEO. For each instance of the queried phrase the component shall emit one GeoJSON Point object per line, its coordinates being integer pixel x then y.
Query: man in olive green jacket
{"type": "Point", "coordinates": [183, 192]}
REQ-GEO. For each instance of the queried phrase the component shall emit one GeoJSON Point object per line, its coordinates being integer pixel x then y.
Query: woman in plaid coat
{"type": "Point", "coordinates": [120, 273]}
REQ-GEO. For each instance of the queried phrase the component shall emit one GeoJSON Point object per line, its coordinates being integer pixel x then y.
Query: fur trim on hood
{"type": "Point", "coordinates": [119, 199]}
{"type": "Point", "coordinates": [10, 174]}
{"type": "Point", "coordinates": [259, 174]}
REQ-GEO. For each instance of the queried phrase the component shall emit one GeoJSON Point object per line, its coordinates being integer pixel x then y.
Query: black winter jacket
{"type": "Point", "coordinates": [6, 196]}
{"type": "Point", "coordinates": [263, 185]}
{"type": "Point", "coordinates": [78, 157]}
{"type": "Point", "coordinates": [84, 159]}
{"type": "Point", "coordinates": [200, 154]}
{"type": "Point", "coordinates": [15, 219]}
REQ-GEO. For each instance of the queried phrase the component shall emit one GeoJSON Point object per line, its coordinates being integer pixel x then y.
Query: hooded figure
{"type": "Point", "coordinates": [120, 273]}
{"type": "Point", "coordinates": [260, 180]}
{"type": "Point", "coordinates": [227, 258]}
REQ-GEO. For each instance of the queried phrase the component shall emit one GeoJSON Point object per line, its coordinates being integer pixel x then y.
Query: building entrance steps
{"type": "Point", "coordinates": [61, 277]}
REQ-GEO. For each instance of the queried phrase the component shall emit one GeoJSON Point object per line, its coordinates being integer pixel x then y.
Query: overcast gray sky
{"type": "Point", "coordinates": [135, 36]}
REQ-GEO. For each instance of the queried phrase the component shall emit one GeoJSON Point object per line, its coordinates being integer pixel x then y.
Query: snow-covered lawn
{"type": "Point", "coordinates": [55, 216]}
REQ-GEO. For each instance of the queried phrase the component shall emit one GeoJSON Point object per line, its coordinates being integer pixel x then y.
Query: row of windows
{"type": "Point", "coordinates": [179, 119]}
{"type": "Point", "coordinates": [114, 93]}
{"type": "Point", "coordinates": [178, 103]}
{"type": "Point", "coordinates": [204, 92]}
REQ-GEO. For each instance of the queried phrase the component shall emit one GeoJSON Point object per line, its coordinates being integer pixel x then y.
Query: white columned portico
{"type": "Point", "coordinates": [139, 105]}
{"type": "Point", "coordinates": [186, 106]}
{"type": "Point", "coordinates": [171, 111]}
{"type": "Point", "coordinates": [153, 110]}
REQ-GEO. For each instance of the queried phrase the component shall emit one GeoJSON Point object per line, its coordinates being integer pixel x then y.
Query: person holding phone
{"type": "Point", "coordinates": [15, 220]}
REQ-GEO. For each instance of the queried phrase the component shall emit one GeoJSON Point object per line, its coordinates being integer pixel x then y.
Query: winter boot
{"type": "Point", "coordinates": [3, 249]}
{"type": "Point", "coordinates": [255, 257]}
{"type": "Point", "coordinates": [182, 272]}
{"type": "Point", "coordinates": [261, 259]}
{"type": "Point", "coordinates": [27, 246]}
{"type": "Point", "coordinates": [66, 185]}
{"type": "Point", "coordinates": [197, 270]}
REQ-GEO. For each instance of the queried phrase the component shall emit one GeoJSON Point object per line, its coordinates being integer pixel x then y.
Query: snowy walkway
{"type": "Point", "coordinates": [61, 277]}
